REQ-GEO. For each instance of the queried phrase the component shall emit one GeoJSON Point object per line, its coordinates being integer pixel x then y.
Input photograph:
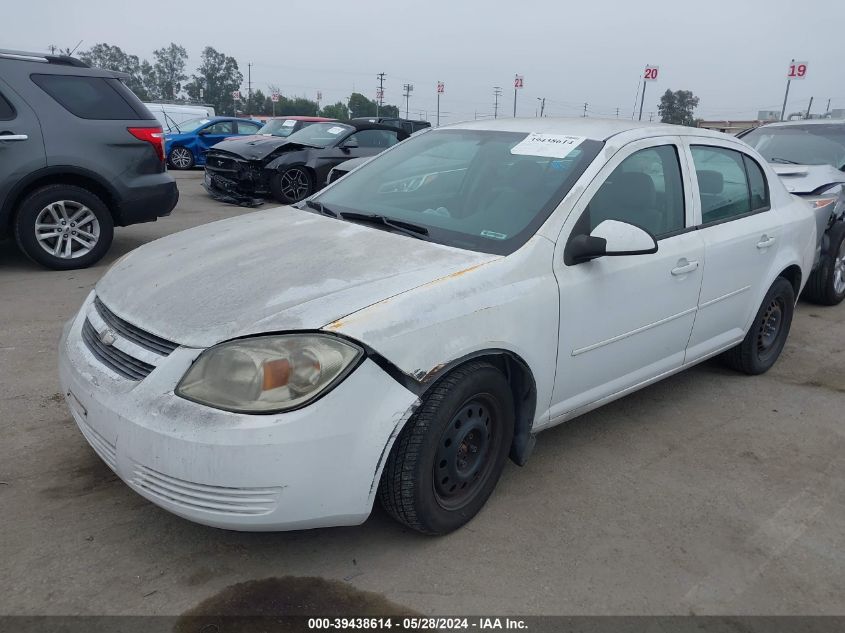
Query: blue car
{"type": "Point", "coordinates": [188, 148]}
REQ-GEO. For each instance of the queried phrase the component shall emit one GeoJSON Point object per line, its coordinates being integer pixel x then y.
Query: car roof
{"type": "Point", "coordinates": [297, 117]}
{"type": "Point", "coordinates": [805, 122]}
{"type": "Point", "coordinates": [588, 127]}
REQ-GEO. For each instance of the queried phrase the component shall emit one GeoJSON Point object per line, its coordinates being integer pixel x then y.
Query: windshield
{"type": "Point", "coordinates": [279, 127]}
{"type": "Point", "coordinates": [801, 144]}
{"type": "Point", "coordinates": [192, 124]}
{"type": "Point", "coordinates": [321, 134]}
{"type": "Point", "coordinates": [481, 190]}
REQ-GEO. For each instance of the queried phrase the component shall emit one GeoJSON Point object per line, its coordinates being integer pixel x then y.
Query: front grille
{"type": "Point", "coordinates": [116, 360]}
{"type": "Point", "coordinates": [221, 163]}
{"type": "Point", "coordinates": [136, 335]}
{"type": "Point", "coordinates": [219, 499]}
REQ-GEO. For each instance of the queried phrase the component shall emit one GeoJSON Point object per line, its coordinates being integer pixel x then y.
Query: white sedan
{"type": "Point", "coordinates": [403, 332]}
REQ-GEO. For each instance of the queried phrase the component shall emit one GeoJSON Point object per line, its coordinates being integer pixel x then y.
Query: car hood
{"type": "Point", "coordinates": [255, 147]}
{"type": "Point", "coordinates": [804, 179]}
{"type": "Point", "coordinates": [275, 270]}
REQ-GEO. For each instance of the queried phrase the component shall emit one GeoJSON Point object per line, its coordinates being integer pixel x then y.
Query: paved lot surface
{"type": "Point", "coordinates": [708, 493]}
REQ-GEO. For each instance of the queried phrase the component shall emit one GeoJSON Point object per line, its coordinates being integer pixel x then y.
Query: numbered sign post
{"type": "Point", "coordinates": [274, 97]}
{"type": "Point", "coordinates": [796, 70]}
{"type": "Point", "coordinates": [650, 74]}
{"type": "Point", "coordinates": [236, 96]}
{"type": "Point", "coordinates": [518, 84]}
{"type": "Point", "coordinates": [441, 88]}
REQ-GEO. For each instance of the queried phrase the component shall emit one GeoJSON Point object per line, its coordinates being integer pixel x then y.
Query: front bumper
{"type": "Point", "coordinates": [314, 467]}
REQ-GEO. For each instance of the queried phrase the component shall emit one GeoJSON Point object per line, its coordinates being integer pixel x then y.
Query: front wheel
{"type": "Point", "coordinates": [826, 284]}
{"type": "Point", "coordinates": [181, 158]}
{"type": "Point", "coordinates": [448, 458]}
{"type": "Point", "coordinates": [63, 227]}
{"type": "Point", "coordinates": [292, 185]}
{"type": "Point", "coordinates": [765, 340]}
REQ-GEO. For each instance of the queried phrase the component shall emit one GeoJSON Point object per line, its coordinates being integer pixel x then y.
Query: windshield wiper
{"type": "Point", "coordinates": [775, 159]}
{"type": "Point", "coordinates": [319, 206]}
{"type": "Point", "coordinates": [398, 226]}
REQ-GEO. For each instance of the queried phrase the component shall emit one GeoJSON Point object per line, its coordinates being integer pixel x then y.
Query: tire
{"type": "Point", "coordinates": [433, 489]}
{"type": "Point", "coordinates": [57, 209]}
{"type": "Point", "coordinates": [826, 284]}
{"type": "Point", "coordinates": [180, 158]}
{"type": "Point", "coordinates": [292, 185]}
{"type": "Point", "coordinates": [765, 339]}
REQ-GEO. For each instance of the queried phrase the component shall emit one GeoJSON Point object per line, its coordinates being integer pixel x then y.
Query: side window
{"type": "Point", "coordinates": [245, 127]}
{"type": "Point", "coordinates": [646, 189]}
{"type": "Point", "coordinates": [7, 112]}
{"type": "Point", "coordinates": [757, 185]}
{"type": "Point", "coordinates": [375, 138]}
{"type": "Point", "coordinates": [223, 127]}
{"type": "Point", "coordinates": [722, 183]}
{"type": "Point", "coordinates": [88, 97]}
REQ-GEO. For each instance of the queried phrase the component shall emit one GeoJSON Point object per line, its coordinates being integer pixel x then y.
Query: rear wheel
{"type": "Point", "coordinates": [63, 227]}
{"type": "Point", "coordinates": [765, 340]}
{"type": "Point", "coordinates": [292, 185]}
{"type": "Point", "coordinates": [826, 284]}
{"type": "Point", "coordinates": [181, 158]}
{"type": "Point", "coordinates": [448, 458]}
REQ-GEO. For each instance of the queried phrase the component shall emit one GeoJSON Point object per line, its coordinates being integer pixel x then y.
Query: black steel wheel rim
{"type": "Point", "coordinates": [466, 452]}
{"type": "Point", "coordinates": [770, 327]}
{"type": "Point", "coordinates": [294, 184]}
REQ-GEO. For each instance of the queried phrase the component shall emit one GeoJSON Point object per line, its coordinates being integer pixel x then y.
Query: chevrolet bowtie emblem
{"type": "Point", "coordinates": [107, 337]}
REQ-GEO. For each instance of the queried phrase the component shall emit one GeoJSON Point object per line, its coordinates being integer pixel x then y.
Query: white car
{"type": "Point", "coordinates": [417, 322]}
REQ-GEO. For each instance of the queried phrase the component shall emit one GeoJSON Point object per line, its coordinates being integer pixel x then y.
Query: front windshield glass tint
{"type": "Point", "coordinates": [801, 144]}
{"type": "Point", "coordinates": [192, 124]}
{"type": "Point", "coordinates": [467, 187]}
{"type": "Point", "coordinates": [278, 127]}
{"type": "Point", "coordinates": [321, 134]}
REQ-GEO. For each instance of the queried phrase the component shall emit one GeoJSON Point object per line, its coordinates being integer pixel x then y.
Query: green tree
{"type": "Point", "coordinates": [359, 105]}
{"type": "Point", "coordinates": [169, 69]}
{"type": "Point", "coordinates": [147, 75]}
{"type": "Point", "coordinates": [337, 111]}
{"type": "Point", "coordinates": [113, 58]}
{"type": "Point", "coordinates": [389, 110]}
{"type": "Point", "coordinates": [257, 104]}
{"type": "Point", "coordinates": [218, 76]}
{"type": "Point", "coordinates": [678, 107]}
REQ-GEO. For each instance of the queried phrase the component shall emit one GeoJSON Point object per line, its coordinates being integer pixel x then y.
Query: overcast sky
{"type": "Point", "coordinates": [732, 54]}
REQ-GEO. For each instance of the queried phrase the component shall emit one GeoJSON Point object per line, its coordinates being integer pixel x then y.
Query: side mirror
{"type": "Point", "coordinates": [611, 238]}
{"type": "Point", "coordinates": [204, 131]}
{"type": "Point", "coordinates": [349, 144]}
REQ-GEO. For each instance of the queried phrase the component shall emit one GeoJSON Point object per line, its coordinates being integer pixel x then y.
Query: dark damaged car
{"type": "Point", "coordinates": [290, 169]}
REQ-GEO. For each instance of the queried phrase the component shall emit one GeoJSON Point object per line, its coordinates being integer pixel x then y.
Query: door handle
{"type": "Point", "coordinates": [765, 242]}
{"type": "Point", "coordinates": [13, 137]}
{"type": "Point", "coordinates": [684, 267]}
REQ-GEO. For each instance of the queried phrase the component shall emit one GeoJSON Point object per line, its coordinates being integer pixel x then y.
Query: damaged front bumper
{"type": "Point", "coordinates": [314, 467]}
{"type": "Point", "coordinates": [232, 179]}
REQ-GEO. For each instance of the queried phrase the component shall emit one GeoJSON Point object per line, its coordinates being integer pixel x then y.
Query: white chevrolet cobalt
{"type": "Point", "coordinates": [404, 331]}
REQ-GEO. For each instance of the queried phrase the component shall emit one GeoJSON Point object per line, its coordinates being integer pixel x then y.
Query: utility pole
{"type": "Point", "coordinates": [807, 116]}
{"type": "Point", "coordinates": [408, 88]}
{"type": "Point", "coordinates": [497, 92]}
{"type": "Point", "coordinates": [249, 86]}
{"type": "Point", "coordinates": [786, 95]}
{"type": "Point", "coordinates": [585, 110]}
{"type": "Point", "coordinates": [828, 107]}
{"type": "Point", "coordinates": [650, 117]}
{"type": "Point", "coordinates": [380, 100]}
{"type": "Point", "coordinates": [541, 105]}
{"type": "Point", "coordinates": [617, 113]}
{"type": "Point", "coordinates": [52, 48]}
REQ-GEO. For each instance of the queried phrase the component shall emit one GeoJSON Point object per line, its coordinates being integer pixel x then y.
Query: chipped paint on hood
{"type": "Point", "coordinates": [274, 270]}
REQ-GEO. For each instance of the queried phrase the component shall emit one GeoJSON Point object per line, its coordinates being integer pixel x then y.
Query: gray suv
{"type": "Point", "coordinates": [79, 155]}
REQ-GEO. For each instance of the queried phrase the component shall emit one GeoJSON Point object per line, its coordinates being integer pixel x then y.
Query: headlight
{"type": "Point", "coordinates": [268, 374]}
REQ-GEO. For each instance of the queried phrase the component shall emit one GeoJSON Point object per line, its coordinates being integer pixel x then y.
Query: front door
{"type": "Point", "coordinates": [626, 320]}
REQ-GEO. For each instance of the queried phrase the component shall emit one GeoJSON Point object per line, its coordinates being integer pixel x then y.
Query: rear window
{"type": "Point", "coordinates": [101, 98]}
{"type": "Point", "coordinates": [7, 112]}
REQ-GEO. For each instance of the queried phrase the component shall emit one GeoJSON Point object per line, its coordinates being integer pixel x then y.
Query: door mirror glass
{"type": "Point", "coordinates": [350, 143]}
{"type": "Point", "coordinates": [611, 238]}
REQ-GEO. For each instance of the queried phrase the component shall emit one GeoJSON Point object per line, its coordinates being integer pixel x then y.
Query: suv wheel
{"type": "Point", "coordinates": [181, 158]}
{"type": "Point", "coordinates": [63, 227]}
{"type": "Point", "coordinates": [448, 458]}
{"type": "Point", "coordinates": [826, 284]}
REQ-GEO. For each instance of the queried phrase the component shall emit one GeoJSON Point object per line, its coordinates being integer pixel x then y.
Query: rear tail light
{"type": "Point", "coordinates": [152, 135]}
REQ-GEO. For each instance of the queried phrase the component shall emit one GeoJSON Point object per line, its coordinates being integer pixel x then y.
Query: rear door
{"type": "Point", "coordinates": [741, 236]}
{"type": "Point", "coordinates": [21, 143]}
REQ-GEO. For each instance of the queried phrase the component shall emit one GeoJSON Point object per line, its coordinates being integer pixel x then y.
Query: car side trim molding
{"type": "Point", "coordinates": [614, 339]}
{"type": "Point", "coordinates": [723, 297]}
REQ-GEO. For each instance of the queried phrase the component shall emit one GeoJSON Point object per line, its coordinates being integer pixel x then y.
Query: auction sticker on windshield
{"type": "Point", "coordinates": [335, 130]}
{"type": "Point", "coordinates": [547, 145]}
{"type": "Point", "coordinates": [289, 123]}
